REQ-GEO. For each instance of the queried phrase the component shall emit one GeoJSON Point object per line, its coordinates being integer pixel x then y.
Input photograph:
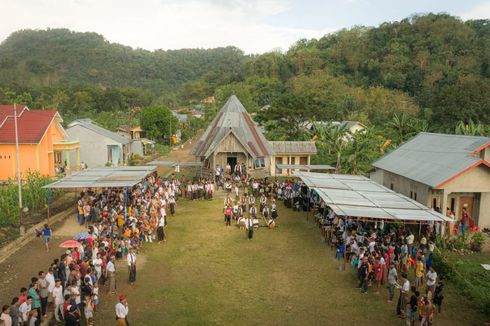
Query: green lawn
{"type": "Point", "coordinates": [207, 274]}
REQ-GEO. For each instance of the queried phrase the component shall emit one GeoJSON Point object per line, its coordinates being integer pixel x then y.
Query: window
{"type": "Point", "coordinates": [391, 186]}
{"type": "Point", "coordinates": [415, 196]}
{"type": "Point", "coordinates": [434, 203]}
{"type": "Point", "coordinates": [453, 204]}
{"type": "Point", "coordinates": [411, 194]}
{"type": "Point", "coordinates": [259, 163]}
{"type": "Point", "coordinates": [303, 160]}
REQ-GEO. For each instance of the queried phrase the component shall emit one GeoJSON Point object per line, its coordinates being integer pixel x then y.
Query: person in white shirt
{"type": "Point", "coordinates": [58, 300]}
{"type": "Point", "coordinates": [132, 266]}
{"type": "Point", "coordinates": [25, 309]}
{"type": "Point", "coordinates": [122, 311]}
{"type": "Point", "coordinates": [50, 279]}
{"type": "Point", "coordinates": [97, 262]}
{"type": "Point", "coordinates": [5, 316]}
{"type": "Point", "coordinates": [431, 281]}
{"type": "Point", "coordinates": [111, 275]}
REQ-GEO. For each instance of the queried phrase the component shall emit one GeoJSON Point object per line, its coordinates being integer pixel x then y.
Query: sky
{"type": "Point", "coordinates": [255, 26]}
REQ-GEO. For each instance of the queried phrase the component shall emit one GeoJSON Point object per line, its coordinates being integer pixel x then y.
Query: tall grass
{"type": "Point", "coordinates": [33, 197]}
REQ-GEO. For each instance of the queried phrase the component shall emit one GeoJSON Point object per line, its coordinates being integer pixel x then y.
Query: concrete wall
{"type": "Point", "coordinates": [404, 186]}
{"type": "Point", "coordinates": [34, 157]}
{"type": "Point", "coordinates": [473, 183]}
{"type": "Point", "coordinates": [93, 146]}
{"type": "Point", "coordinates": [484, 218]}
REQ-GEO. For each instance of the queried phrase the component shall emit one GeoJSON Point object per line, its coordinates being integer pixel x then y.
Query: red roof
{"type": "Point", "coordinates": [32, 125]}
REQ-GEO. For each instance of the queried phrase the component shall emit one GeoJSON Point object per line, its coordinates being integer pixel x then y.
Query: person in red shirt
{"type": "Point", "coordinates": [22, 296]}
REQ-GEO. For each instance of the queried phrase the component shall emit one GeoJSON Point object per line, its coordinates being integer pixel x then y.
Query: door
{"type": "Point", "coordinates": [232, 161]}
{"type": "Point", "coordinates": [465, 201]}
{"type": "Point", "coordinates": [278, 161]}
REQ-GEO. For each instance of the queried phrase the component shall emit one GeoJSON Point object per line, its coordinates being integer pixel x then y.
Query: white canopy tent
{"type": "Point", "coordinates": [358, 196]}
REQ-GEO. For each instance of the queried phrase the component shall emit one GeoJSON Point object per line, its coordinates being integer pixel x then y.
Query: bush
{"type": "Point", "coordinates": [477, 241]}
{"type": "Point", "coordinates": [162, 149]}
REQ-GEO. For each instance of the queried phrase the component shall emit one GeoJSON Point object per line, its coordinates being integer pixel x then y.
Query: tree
{"type": "Point", "coordinates": [158, 121]}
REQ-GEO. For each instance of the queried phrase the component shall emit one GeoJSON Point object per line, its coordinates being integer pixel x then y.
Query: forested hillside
{"type": "Point", "coordinates": [432, 68]}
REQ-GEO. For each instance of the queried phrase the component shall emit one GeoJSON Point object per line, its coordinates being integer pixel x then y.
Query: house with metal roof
{"type": "Point", "coordinates": [292, 153]}
{"type": "Point", "coordinates": [98, 146]}
{"type": "Point", "coordinates": [234, 138]}
{"type": "Point", "coordinates": [43, 143]}
{"type": "Point", "coordinates": [442, 172]}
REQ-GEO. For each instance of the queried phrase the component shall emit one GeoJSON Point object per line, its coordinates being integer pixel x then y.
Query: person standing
{"type": "Point", "coordinates": [111, 275]}
{"type": "Point", "coordinates": [465, 220]}
{"type": "Point", "coordinates": [46, 236]}
{"type": "Point", "coordinates": [43, 293]}
{"type": "Point", "coordinates": [58, 300]}
{"type": "Point", "coordinates": [392, 281]}
{"type": "Point", "coordinates": [172, 203]}
{"type": "Point", "coordinates": [431, 281]}
{"type": "Point", "coordinates": [160, 229]}
{"type": "Point", "coordinates": [122, 311]}
{"type": "Point", "coordinates": [25, 309]}
{"type": "Point", "coordinates": [403, 299]}
{"type": "Point", "coordinates": [250, 228]}
{"type": "Point", "coordinates": [132, 266]}
{"type": "Point", "coordinates": [363, 275]}
{"type": "Point", "coordinates": [5, 316]}
{"type": "Point", "coordinates": [15, 312]}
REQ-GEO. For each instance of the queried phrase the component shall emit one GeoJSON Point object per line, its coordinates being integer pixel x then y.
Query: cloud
{"type": "Point", "coordinates": [481, 11]}
{"type": "Point", "coordinates": [166, 24]}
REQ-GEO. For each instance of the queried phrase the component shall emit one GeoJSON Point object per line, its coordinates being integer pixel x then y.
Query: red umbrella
{"type": "Point", "coordinates": [70, 244]}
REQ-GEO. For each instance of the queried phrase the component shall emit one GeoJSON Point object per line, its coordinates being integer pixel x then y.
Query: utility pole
{"type": "Point", "coordinates": [170, 137]}
{"type": "Point", "coordinates": [19, 180]}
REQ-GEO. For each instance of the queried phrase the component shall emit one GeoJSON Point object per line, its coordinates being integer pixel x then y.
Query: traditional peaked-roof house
{"type": "Point", "coordinates": [232, 138]}
{"type": "Point", "coordinates": [43, 143]}
{"type": "Point", "coordinates": [98, 146]}
{"type": "Point", "coordinates": [441, 171]}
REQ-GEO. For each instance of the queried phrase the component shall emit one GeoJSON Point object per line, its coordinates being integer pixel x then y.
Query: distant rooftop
{"type": "Point", "coordinates": [88, 124]}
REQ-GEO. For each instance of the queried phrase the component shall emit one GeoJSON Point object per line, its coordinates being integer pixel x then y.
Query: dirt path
{"type": "Point", "coordinates": [16, 271]}
{"type": "Point", "coordinates": [180, 153]}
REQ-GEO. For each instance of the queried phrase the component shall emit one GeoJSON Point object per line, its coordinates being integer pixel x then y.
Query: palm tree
{"type": "Point", "coordinates": [333, 140]}
{"type": "Point", "coordinates": [402, 127]}
{"type": "Point", "coordinates": [471, 129]}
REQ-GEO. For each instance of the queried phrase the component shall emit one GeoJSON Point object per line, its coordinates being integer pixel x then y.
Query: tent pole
{"type": "Point", "coordinates": [125, 203]}
{"type": "Point", "coordinates": [49, 203]}
{"type": "Point", "coordinates": [420, 229]}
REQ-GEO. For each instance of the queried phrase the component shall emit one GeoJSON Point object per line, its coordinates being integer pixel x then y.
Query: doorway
{"type": "Point", "coordinates": [232, 160]}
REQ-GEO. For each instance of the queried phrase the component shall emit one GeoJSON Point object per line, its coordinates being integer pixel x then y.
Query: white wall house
{"type": "Point", "coordinates": [98, 146]}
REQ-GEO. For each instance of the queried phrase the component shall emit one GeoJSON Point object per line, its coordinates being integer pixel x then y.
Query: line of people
{"type": "Point", "coordinates": [118, 223]}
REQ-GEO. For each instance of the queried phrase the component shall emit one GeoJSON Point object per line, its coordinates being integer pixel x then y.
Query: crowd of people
{"type": "Point", "coordinates": [118, 222]}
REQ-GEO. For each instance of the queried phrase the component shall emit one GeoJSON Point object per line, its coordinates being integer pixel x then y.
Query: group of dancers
{"type": "Point", "coordinates": [236, 209]}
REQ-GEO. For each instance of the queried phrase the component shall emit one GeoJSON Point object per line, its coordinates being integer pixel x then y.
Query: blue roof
{"type": "Point", "coordinates": [431, 158]}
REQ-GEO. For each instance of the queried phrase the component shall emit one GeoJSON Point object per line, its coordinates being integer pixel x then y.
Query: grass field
{"type": "Point", "coordinates": [207, 274]}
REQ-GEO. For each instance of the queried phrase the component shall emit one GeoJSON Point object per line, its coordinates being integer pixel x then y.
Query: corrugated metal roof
{"type": "Point", "coordinates": [233, 119]}
{"type": "Point", "coordinates": [87, 123]}
{"type": "Point", "coordinates": [293, 147]}
{"type": "Point", "coordinates": [119, 177]}
{"type": "Point", "coordinates": [358, 196]}
{"type": "Point", "coordinates": [431, 158]}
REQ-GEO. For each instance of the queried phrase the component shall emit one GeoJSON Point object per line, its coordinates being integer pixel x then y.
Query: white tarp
{"type": "Point", "coordinates": [358, 196]}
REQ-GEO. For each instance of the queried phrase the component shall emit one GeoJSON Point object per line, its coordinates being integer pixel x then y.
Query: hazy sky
{"type": "Point", "coordinates": [255, 26]}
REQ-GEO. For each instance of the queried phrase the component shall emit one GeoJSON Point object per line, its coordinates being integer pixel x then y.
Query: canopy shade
{"type": "Point", "coordinates": [358, 196]}
{"type": "Point", "coordinates": [120, 177]}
